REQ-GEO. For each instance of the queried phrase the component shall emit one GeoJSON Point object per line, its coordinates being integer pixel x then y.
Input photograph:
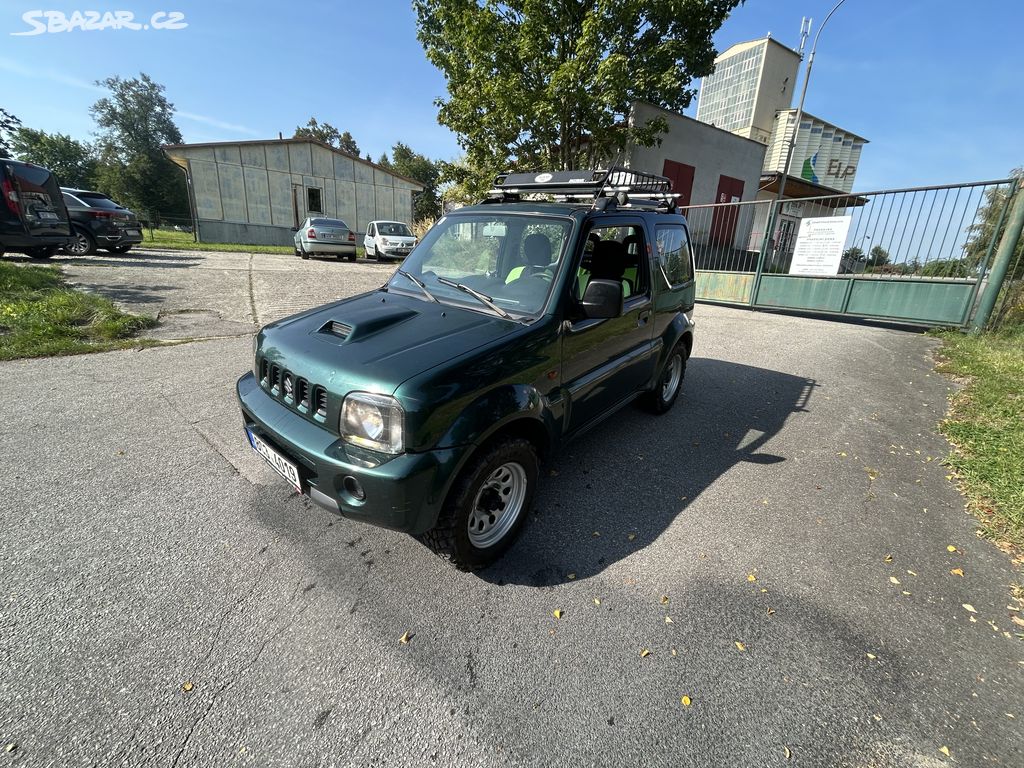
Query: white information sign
{"type": "Point", "coordinates": [819, 246]}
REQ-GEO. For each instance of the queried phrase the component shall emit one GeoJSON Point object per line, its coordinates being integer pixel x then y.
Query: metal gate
{"type": "Point", "coordinates": [917, 255]}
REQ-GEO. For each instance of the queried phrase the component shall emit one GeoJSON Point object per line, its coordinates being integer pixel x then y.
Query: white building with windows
{"type": "Point", "coordinates": [823, 154]}
{"type": "Point", "coordinates": [257, 192]}
{"type": "Point", "coordinates": [751, 82]}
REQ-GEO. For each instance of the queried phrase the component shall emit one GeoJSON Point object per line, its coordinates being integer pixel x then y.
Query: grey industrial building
{"type": "Point", "coordinates": [257, 192]}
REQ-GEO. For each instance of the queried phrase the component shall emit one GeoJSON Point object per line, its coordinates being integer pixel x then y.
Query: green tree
{"type": "Point", "coordinates": [854, 253]}
{"type": "Point", "coordinates": [72, 161]}
{"type": "Point", "coordinates": [877, 256]}
{"type": "Point", "coordinates": [414, 165]}
{"type": "Point", "coordinates": [983, 231]}
{"type": "Point", "coordinates": [328, 134]}
{"type": "Point", "coordinates": [550, 85]}
{"type": "Point", "coordinates": [135, 120]}
{"type": "Point", "coordinates": [9, 125]}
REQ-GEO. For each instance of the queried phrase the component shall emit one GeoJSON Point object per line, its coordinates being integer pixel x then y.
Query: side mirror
{"type": "Point", "coordinates": [603, 299]}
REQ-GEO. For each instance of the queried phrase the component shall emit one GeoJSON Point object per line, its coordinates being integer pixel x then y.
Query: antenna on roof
{"type": "Point", "coordinates": [805, 31]}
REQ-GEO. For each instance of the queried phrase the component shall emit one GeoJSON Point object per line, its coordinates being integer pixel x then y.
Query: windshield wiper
{"type": "Point", "coordinates": [419, 284]}
{"type": "Point", "coordinates": [481, 297]}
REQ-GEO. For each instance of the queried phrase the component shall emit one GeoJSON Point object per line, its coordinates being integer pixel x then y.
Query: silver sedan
{"type": "Point", "coordinates": [327, 237]}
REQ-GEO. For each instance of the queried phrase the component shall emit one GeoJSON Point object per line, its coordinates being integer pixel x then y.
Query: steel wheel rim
{"type": "Point", "coordinates": [79, 246]}
{"type": "Point", "coordinates": [673, 375]}
{"type": "Point", "coordinates": [497, 505]}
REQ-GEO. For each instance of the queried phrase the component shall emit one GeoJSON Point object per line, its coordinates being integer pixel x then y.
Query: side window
{"type": "Point", "coordinates": [615, 253]}
{"type": "Point", "coordinates": [373, 230]}
{"type": "Point", "coordinates": [674, 253]}
{"type": "Point", "coordinates": [314, 199]}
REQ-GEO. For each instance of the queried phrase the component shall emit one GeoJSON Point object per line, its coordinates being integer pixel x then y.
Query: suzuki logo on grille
{"type": "Point", "coordinates": [288, 386]}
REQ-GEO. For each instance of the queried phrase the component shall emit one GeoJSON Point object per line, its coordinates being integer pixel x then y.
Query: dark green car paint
{"type": "Point", "coordinates": [462, 376]}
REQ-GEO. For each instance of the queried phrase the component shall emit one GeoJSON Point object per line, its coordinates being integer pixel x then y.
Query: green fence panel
{"type": "Point", "coordinates": [726, 287]}
{"type": "Point", "coordinates": [925, 301]}
{"type": "Point", "coordinates": [820, 294]}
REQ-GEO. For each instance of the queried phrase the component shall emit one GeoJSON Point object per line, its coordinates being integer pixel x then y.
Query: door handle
{"type": "Point", "coordinates": [643, 317]}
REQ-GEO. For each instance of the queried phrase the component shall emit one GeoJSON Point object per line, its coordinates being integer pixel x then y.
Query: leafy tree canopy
{"type": "Point", "coordinates": [982, 232]}
{"type": "Point", "coordinates": [550, 85]}
{"type": "Point", "coordinates": [73, 162]}
{"type": "Point", "coordinates": [135, 120]}
{"type": "Point", "coordinates": [9, 125]}
{"type": "Point", "coordinates": [328, 134]}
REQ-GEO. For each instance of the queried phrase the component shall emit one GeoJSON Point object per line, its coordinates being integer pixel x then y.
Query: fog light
{"type": "Point", "coordinates": [354, 488]}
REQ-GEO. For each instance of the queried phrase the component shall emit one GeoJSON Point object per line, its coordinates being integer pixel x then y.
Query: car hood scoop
{"type": "Point", "coordinates": [361, 322]}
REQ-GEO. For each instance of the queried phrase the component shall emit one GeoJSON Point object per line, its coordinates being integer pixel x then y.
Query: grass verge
{"type": "Point", "coordinates": [182, 241]}
{"type": "Point", "coordinates": [40, 316]}
{"type": "Point", "coordinates": [986, 427]}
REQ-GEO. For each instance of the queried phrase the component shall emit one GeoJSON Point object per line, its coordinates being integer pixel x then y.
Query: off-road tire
{"type": "Point", "coordinates": [450, 537]}
{"type": "Point", "coordinates": [657, 400]}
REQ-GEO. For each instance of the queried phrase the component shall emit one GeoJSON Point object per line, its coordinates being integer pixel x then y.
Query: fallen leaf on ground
{"type": "Point", "coordinates": [664, 599]}
{"type": "Point", "coordinates": [740, 646]}
{"type": "Point", "coordinates": [668, 619]}
{"type": "Point", "coordinates": [644, 653]}
{"type": "Point", "coordinates": [405, 638]}
{"type": "Point", "coordinates": [770, 611]}
{"type": "Point", "coordinates": [596, 533]}
{"type": "Point", "coordinates": [912, 573]}
{"type": "Point", "coordinates": [1017, 620]}
{"type": "Point", "coordinates": [751, 577]}
{"type": "Point", "coordinates": [557, 613]}
{"type": "Point", "coordinates": [842, 453]}
{"type": "Point", "coordinates": [787, 753]}
{"type": "Point", "coordinates": [951, 548]}
{"type": "Point", "coordinates": [944, 750]}
{"type": "Point", "coordinates": [187, 686]}
{"type": "Point", "coordinates": [894, 580]}
{"type": "Point", "coordinates": [686, 701]}
{"type": "Point", "coordinates": [631, 536]}
{"type": "Point", "coordinates": [597, 601]}
{"type": "Point", "coordinates": [878, 718]}
{"type": "Point", "coordinates": [906, 593]}
{"type": "Point", "coordinates": [957, 571]}
{"type": "Point", "coordinates": [969, 607]}
{"type": "Point", "coordinates": [571, 576]}
{"type": "Point", "coordinates": [888, 558]}
{"type": "Point", "coordinates": [872, 656]}
{"type": "Point", "coordinates": [673, 651]}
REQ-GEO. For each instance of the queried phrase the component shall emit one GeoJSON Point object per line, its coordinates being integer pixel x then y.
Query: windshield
{"type": "Point", "coordinates": [393, 228]}
{"type": "Point", "coordinates": [510, 259]}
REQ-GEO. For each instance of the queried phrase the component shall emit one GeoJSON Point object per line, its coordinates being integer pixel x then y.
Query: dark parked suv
{"type": "Point", "coordinates": [33, 219]}
{"type": "Point", "coordinates": [99, 222]}
{"type": "Point", "coordinates": [427, 405]}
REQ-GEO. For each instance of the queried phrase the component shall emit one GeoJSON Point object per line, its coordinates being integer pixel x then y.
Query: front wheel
{"type": "Point", "coordinates": [487, 505]}
{"type": "Point", "coordinates": [663, 396]}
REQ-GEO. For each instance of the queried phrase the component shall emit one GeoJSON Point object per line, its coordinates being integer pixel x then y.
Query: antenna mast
{"type": "Point", "coordinates": [805, 31]}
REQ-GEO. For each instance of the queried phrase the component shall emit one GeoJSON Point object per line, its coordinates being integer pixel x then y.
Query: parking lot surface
{"type": "Point", "coordinates": [776, 549]}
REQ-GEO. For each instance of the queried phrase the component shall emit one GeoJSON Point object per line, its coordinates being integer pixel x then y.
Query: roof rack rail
{"type": "Point", "coordinates": [601, 182]}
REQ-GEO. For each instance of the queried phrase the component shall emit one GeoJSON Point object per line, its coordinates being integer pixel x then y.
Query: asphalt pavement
{"type": "Point", "coordinates": [776, 549]}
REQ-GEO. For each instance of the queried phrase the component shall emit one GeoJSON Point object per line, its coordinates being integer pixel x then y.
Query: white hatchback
{"type": "Point", "coordinates": [388, 240]}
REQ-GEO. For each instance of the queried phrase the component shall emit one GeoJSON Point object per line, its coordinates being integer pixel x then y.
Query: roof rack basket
{"type": "Point", "coordinates": [597, 183]}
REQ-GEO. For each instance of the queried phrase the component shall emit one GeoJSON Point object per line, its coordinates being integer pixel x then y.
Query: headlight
{"type": "Point", "coordinates": [373, 421]}
{"type": "Point", "coordinates": [384, 241]}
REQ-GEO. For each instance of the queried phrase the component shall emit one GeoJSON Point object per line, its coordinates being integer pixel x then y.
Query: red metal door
{"type": "Point", "coordinates": [681, 176]}
{"type": "Point", "coordinates": [723, 221]}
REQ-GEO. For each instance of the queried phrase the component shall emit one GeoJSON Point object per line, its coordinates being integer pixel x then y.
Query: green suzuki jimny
{"type": "Point", "coordinates": [427, 405]}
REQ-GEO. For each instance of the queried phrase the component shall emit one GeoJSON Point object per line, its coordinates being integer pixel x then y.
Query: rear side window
{"type": "Point", "coordinates": [39, 190]}
{"type": "Point", "coordinates": [674, 253]}
{"type": "Point", "coordinates": [328, 223]}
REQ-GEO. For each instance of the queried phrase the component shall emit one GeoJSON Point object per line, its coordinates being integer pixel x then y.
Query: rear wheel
{"type": "Point", "coordinates": [41, 252]}
{"type": "Point", "coordinates": [302, 252]}
{"type": "Point", "coordinates": [663, 396]}
{"type": "Point", "coordinates": [487, 505]}
{"type": "Point", "coordinates": [353, 257]}
{"type": "Point", "coordinates": [82, 244]}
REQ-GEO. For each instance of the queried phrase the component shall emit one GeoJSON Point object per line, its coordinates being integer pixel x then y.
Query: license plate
{"type": "Point", "coordinates": [281, 465]}
{"type": "Point", "coordinates": [131, 231]}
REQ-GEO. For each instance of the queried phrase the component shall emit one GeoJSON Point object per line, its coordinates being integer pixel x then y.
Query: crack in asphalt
{"type": "Point", "coordinates": [252, 294]}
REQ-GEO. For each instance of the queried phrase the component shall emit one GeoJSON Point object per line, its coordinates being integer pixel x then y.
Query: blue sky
{"type": "Point", "coordinates": [933, 84]}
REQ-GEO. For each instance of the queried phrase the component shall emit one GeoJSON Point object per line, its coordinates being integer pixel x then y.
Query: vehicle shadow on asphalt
{"type": "Point", "coordinates": [619, 487]}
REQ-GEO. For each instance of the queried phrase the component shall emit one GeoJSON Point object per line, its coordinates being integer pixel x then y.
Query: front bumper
{"type": "Point", "coordinates": [403, 492]}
